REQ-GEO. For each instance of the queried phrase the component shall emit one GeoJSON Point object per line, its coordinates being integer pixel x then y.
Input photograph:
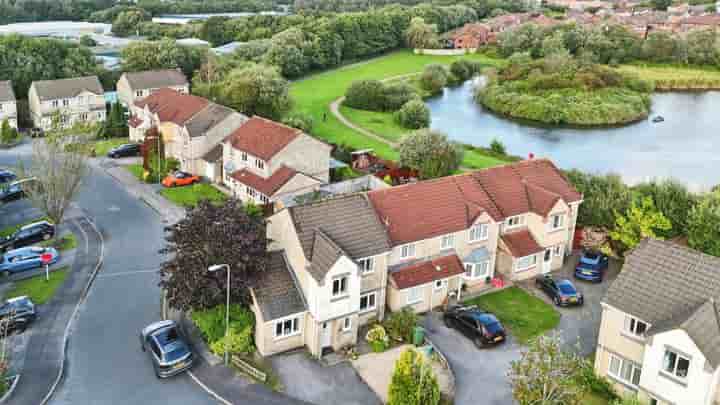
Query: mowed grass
{"type": "Point", "coordinates": [671, 77]}
{"type": "Point", "coordinates": [65, 242]}
{"type": "Point", "coordinates": [524, 315]}
{"type": "Point", "coordinates": [104, 146]}
{"type": "Point", "coordinates": [381, 123]}
{"type": "Point", "coordinates": [190, 196]}
{"type": "Point", "coordinates": [136, 170]}
{"type": "Point", "coordinates": [314, 94]}
{"type": "Point", "coordinates": [39, 290]}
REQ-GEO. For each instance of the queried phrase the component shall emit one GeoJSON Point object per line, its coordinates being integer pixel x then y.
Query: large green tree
{"type": "Point", "coordinates": [642, 220]}
{"type": "Point", "coordinates": [431, 153]}
{"type": "Point", "coordinates": [128, 22]}
{"type": "Point", "coordinates": [413, 381]}
{"type": "Point", "coordinates": [421, 35]}
{"type": "Point", "coordinates": [163, 54]}
{"type": "Point", "coordinates": [257, 90]}
{"type": "Point", "coordinates": [704, 224]}
{"type": "Point", "coordinates": [212, 234]}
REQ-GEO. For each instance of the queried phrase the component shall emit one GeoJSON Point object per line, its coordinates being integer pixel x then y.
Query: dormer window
{"type": "Point", "coordinates": [478, 232]}
{"type": "Point", "coordinates": [259, 163]}
{"type": "Point", "coordinates": [556, 222]}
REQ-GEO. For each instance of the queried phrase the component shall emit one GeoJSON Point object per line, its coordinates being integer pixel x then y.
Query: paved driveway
{"type": "Point", "coordinates": [304, 378]}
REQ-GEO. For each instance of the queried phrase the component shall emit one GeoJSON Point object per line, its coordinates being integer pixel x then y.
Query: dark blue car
{"type": "Point", "coordinates": [592, 266]}
{"type": "Point", "coordinates": [6, 176]}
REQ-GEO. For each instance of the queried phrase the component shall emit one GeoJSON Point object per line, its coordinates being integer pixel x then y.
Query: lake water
{"type": "Point", "coordinates": [686, 146]}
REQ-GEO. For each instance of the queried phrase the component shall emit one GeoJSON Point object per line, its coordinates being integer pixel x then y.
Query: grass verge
{"type": "Point", "coordinates": [39, 290]}
{"type": "Point", "coordinates": [103, 147]}
{"type": "Point", "coordinates": [66, 242]}
{"type": "Point", "coordinates": [314, 94]}
{"type": "Point", "coordinates": [524, 315]}
{"type": "Point", "coordinates": [672, 77]}
{"type": "Point", "coordinates": [136, 170]}
{"type": "Point", "coordinates": [190, 196]}
{"type": "Point", "coordinates": [12, 229]}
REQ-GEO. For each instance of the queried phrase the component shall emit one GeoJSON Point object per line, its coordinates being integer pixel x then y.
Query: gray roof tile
{"type": "Point", "coordinates": [6, 91]}
{"type": "Point", "coordinates": [67, 88]}
{"type": "Point", "coordinates": [156, 79]}
{"type": "Point", "coordinates": [276, 291]}
{"type": "Point", "coordinates": [207, 118]}
{"type": "Point", "coordinates": [325, 254]}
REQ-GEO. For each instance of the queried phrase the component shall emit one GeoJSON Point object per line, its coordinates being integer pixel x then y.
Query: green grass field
{"type": "Point", "coordinates": [104, 146]}
{"type": "Point", "coordinates": [314, 94]}
{"type": "Point", "coordinates": [190, 196]}
{"type": "Point", "coordinates": [669, 77]}
{"type": "Point", "coordinates": [39, 290]}
{"type": "Point", "coordinates": [136, 170]}
{"type": "Point", "coordinates": [524, 315]}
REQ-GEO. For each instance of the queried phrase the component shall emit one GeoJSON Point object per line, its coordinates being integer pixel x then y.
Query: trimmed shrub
{"type": "Point", "coordinates": [211, 322]}
{"type": "Point", "coordinates": [238, 342]}
{"type": "Point", "coordinates": [377, 338]}
{"type": "Point", "coordinates": [400, 324]}
{"type": "Point", "coordinates": [464, 69]}
{"type": "Point", "coordinates": [365, 95]}
{"type": "Point", "coordinates": [413, 381]}
{"type": "Point", "coordinates": [395, 95]}
{"type": "Point", "coordinates": [303, 122]}
{"type": "Point", "coordinates": [414, 115]}
{"type": "Point", "coordinates": [433, 78]}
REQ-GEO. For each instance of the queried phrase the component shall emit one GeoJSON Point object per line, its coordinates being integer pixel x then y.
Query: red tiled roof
{"type": "Point", "coordinates": [521, 243]}
{"type": "Point", "coordinates": [431, 208]}
{"type": "Point", "coordinates": [173, 106]}
{"type": "Point", "coordinates": [267, 186]}
{"type": "Point", "coordinates": [426, 272]}
{"type": "Point", "coordinates": [135, 122]}
{"type": "Point", "coordinates": [262, 137]}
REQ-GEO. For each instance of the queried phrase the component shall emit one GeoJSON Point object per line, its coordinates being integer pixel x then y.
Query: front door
{"type": "Point", "coordinates": [547, 261]}
{"type": "Point", "coordinates": [325, 335]}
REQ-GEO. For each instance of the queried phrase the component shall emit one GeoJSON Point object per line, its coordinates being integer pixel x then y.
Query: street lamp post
{"type": "Point", "coordinates": [212, 269]}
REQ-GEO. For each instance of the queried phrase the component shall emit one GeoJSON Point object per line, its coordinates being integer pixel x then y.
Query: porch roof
{"type": "Point", "coordinates": [424, 272]}
{"type": "Point", "coordinates": [477, 256]}
{"type": "Point", "coordinates": [521, 243]}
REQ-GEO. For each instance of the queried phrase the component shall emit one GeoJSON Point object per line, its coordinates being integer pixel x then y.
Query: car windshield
{"type": "Point", "coordinates": [175, 351]}
{"type": "Point", "coordinates": [566, 288]}
{"type": "Point", "coordinates": [494, 327]}
{"type": "Point", "coordinates": [591, 256]}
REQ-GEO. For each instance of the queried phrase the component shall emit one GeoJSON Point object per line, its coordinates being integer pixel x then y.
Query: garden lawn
{"type": "Point", "coordinates": [190, 196]}
{"type": "Point", "coordinates": [103, 147]}
{"type": "Point", "coordinates": [381, 123]}
{"type": "Point", "coordinates": [66, 242]}
{"type": "Point", "coordinates": [524, 315]}
{"type": "Point", "coordinates": [314, 94]}
{"type": "Point", "coordinates": [39, 290]}
{"type": "Point", "coordinates": [136, 170]}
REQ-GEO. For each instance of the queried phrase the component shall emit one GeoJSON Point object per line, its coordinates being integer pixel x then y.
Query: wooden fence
{"type": "Point", "coordinates": [249, 369]}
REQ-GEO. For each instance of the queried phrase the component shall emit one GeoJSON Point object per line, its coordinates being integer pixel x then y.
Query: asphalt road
{"type": "Point", "coordinates": [104, 361]}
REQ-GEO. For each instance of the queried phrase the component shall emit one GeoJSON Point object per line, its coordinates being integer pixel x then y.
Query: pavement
{"type": "Point", "coordinates": [305, 378]}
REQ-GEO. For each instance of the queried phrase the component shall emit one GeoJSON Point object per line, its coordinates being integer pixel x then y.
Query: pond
{"type": "Point", "coordinates": [686, 146]}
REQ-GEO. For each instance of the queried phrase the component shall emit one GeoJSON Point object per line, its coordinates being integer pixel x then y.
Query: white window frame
{"type": "Point", "coordinates": [559, 226]}
{"type": "Point", "coordinates": [447, 241]}
{"type": "Point", "coordinates": [439, 285]}
{"type": "Point", "coordinates": [414, 295]}
{"type": "Point", "coordinates": [407, 251]}
{"type": "Point", "coordinates": [343, 288]}
{"type": "Point", "coordinates": [368, 307]}
{"type": "Point", "coordinates": [259, 164]}
{"type": "Point", "coordinates": [66, 102]}
{"type": "Point", "coordinates": [557, 250]}
{"type": "Point", "coordinates": [346, 324]}
{"type": "Point", "coordinates": [244, 156]}
{"type": "Point", "coordinates": [478, 232]}
{"type": "Point", "coordinates": [264, 199]}
{"type": "Point", "coordinates": [250, 191]}
{"type": "Point", "coordinates": [678, 356]}
{"type": "Point", "coordinates": [520, 259]}
{"type": "Point", "coordinates": [366, 265]}
{"type": "Point", "coordinates": [55, 103]}
{"type": "Point", "coordinates": [519, 219]}
{"type": "Point", "coordinates": [632, 325]}
{"type": "Point", "coordinates": [295, 327]}
{"type": "Point", "coordinates": [474, 268]}
{"type": "Point", "coordinates": [622, 364]}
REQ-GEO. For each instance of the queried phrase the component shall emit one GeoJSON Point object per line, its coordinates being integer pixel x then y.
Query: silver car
{"type": "Point", "coordinates": [169, 352]}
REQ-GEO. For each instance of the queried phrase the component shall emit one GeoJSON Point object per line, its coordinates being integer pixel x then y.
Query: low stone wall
{"type": "Point", "coordinates": [444, 52]}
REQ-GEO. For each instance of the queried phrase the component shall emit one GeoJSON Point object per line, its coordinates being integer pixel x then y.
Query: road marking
{"type": "Point", "coordinates": [126, 273]}
{"type": "Point", "coordinates": [208, 389]}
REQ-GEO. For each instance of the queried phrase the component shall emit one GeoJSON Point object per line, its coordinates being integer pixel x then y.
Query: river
{"type": "Point", "coordinates": [686, 146]}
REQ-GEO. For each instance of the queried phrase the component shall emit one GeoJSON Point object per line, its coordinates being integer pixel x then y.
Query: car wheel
{"type": "Point", "coordinates": [447, 322]}
{"type": "Point", "coordinates": [556, 300]}
{"type": "Point", "coordinates": [478, 343]}
{"type": "Point", "coordinates": [46, 236]}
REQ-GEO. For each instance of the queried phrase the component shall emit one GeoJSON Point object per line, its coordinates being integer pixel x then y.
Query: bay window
{"type": "Point", "coordinates": [477, 270]}
{"type": "Point", "coordinates": [287, 327]}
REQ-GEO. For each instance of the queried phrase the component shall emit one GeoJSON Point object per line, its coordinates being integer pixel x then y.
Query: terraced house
{"type": "Point", "coordinates": [416, 245]}
{"type": "Point", "coordinates": [660, 330]}
{"type": "Point", "coordinates": [70, 101]}
{"type": "Point", "coordinates": [8, 104]}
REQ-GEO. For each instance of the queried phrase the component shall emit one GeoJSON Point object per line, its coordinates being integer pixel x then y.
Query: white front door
{"type": "Point", "coordinates": [325, 335]}
{"type": "Point", "coordinates": [547, 261]}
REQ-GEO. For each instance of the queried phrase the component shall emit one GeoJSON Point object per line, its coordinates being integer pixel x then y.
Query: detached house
{"type": "Point", "coordinates": [8, 105]}
{"type": "Point", "coordinates": [76, 100]}
{"type": "Point", "coordinates": [137, 85]}
{"type": "Point", "coordinates": [265, 160]}
{"type": "Point", "coordinates": [660, 330]}
{"type": "Point", "coordinates": [328, 279]}
{"type": "Point", "coordinates": [191, 128]}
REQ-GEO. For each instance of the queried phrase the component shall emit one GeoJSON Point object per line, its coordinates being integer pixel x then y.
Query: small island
{"type": "Point", "coordinates": [560, 89]}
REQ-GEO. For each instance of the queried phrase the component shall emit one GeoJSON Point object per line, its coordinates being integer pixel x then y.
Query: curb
{"type": "Point", "coordinates": [10, 390]}
{"type": "Point", "coordinates": [83, 296]}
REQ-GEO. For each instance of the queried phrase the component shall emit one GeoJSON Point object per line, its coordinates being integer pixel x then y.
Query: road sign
{"type": "Point", "coordinates": [46, 258]}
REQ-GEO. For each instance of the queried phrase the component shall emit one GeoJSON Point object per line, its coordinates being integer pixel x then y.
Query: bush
{"type": "Point", "coordinates": [464, 69]}
{"type": "Point", "coordinates": [377, 338]}
{"type": "Point", "coordinates": [395, 95]}
{"type": "Point", "coordinates": [211, 322]}
{"type": "Point", "coordinates": [239, 341]}
{"type": "Point", "coordinates": [413, 115]}
{"type": "Point", "coordinates": [400, 325]}
{"type": "Point", "coordinates": [413, 381]}
{"type": "Point", "coordinates": [8, 134]}
{"type": "Point", "coordinates": [595, 384]}
{"type": "Point", "coordinates": [433, 78]}
{"type": "Point", "coordinates": [303, 122]}
{"type": "Point", "coordinates": [497, 147]}
{"type": "Point", "coordinates": [365, 95]}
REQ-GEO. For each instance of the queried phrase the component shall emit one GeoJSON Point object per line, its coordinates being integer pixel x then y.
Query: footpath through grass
{"type": "Point", "coordinates": [525, 316]}
{"type": "Point", "coordinates": [190, 196]}
{"type": "Point", "coordinates": [314, 95]}
{"type": "Point", "coordinates": [39, 290]}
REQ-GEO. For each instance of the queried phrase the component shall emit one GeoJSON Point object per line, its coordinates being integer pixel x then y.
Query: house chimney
{"type": "Point", "coordinates": [438, 268]}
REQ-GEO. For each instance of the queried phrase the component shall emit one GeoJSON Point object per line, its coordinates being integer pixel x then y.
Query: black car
{"type": "Point", "coordinates": [16, 314]}
{"type": "Point", "coordinates": [27, 235]}
{"type": "Point", "coordinates": [482, 327]}
{"type": "Point", "coordinates": [128, 149]}
{"type": "Point", "coordinates": [169, 353]}
{"type": "Point", "coordinates": [6, 176]}
{"type": "Point", "coordinates": [36, 132]}
{"type": "Point", "coordinates": [562, 292]}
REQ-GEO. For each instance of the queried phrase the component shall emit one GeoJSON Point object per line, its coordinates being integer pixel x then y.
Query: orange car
{"type": "Point", "coordinates": [179, 179]}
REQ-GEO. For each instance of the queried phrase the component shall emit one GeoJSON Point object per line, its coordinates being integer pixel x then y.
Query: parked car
{"type": "Point", "coordinates": [6, 176]}
{"type": "Point", "coordinates": [482, 327]}
{"type": "Point", "coordinates": [128, 149]}
{"type": "Point", "coordinates": [169, 353]}
{"type": "Point", "coordinates": [14, 190]}
{"type": "Point", "coordinates": [27, 235]}
{"type": "Point", "coordinates": [562, 292]}
{"type": "Point", "coordinates": [592, 266]}
{"type": "Point", "coordinates": [179, 178]}
{"type": "Point", "coordinates": [36, 132]}
{"type": "Point", "coordinates": [16, 314]}
{"type": "Point", "coordinates": [26, 258]}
